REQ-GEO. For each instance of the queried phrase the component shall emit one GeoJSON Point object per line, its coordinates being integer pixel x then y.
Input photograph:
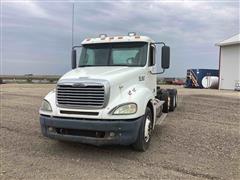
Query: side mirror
{"type": "Point", "coordinates": [74, 59]}
{"type": "Point", "coordinates": [165, 57]}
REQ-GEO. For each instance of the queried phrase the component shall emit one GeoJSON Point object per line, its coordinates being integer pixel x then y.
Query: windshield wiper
{"type": "Point", "coordinates": [91, 65]}
{"type": "Point", "coordinates": [85, 65]}
{"type": "Point", "coordinates": [127, 65]}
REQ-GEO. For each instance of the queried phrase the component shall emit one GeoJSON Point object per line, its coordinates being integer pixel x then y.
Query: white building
{"type": "Point", "coordinates": [229, 62]}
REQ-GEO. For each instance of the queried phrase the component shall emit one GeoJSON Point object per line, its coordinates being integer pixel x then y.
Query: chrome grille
{"type": "Point", "coordinates": [89, 95]}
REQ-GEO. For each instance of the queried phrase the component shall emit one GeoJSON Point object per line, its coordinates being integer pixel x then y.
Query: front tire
{"type": "Point", "coordinates": [145, 132]}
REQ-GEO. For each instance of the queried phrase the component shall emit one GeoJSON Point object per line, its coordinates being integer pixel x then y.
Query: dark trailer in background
{"type": "Point", "coordinates": [202, 78]}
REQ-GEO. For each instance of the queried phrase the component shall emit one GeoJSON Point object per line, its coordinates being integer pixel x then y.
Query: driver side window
{"type": "Point", "coordinates": [151, 56]}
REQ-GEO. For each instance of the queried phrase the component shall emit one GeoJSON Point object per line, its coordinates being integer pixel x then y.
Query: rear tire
{"type": "Point", "coordinates": [166, 103]}
{"type": "Point", "coordinates": [163, 95]}
{"type": "Point", "coordinates": [173, 99]}
{"type": "Point", "coordinates": [176, 98]}
{"type": "Point", "coordinates": [145, 131]}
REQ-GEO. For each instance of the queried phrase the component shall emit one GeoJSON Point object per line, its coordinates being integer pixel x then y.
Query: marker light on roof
{"type": "Point", "coordinates": [120, 37]}
{"type": "Point", "coordinates": [102, 36]}
{"type": "Point", "coordinates": [131, 34]}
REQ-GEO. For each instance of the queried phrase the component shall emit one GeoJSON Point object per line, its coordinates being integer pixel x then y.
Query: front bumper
{"type": "Point", "coordinates": [91, 131]}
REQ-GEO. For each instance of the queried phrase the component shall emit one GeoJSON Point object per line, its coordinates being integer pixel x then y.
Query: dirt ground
{"type": "Point", "coordinates": [200, 140]}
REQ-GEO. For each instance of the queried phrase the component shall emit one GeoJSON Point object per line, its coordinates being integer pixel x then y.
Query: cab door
{"type": "Point", "coordinates": [151, 78]}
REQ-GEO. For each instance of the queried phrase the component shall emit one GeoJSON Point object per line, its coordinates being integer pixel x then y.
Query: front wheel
{"type": "Point", "coordinates": [145, 132]}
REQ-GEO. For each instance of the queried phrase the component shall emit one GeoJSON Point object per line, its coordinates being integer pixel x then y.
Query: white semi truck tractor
{"type": "Point", "coordinates": [111, 95]}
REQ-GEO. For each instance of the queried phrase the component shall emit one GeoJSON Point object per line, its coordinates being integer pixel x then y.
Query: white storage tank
{"type": "Point", "coordinates": [210, 82]}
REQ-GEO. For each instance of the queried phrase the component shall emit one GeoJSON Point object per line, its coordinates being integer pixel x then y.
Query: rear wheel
{"type": "Point", "coordinates": [145, 132]}
{"type": "Point", "coordinates": [173, 99]}
{"type": "Point", "coordinates": [176, 99]}
{"type": "Point", "coordinates": [166, 103]}
{"type": "Point", "coordinates": [163, 95]}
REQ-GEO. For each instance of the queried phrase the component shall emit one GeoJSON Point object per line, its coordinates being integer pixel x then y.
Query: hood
{"type": "Point", "coordinates": [106, 73]}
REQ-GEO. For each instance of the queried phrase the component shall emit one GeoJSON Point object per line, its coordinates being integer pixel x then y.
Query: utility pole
{"type": "Point", "coordinates": [73, 24]}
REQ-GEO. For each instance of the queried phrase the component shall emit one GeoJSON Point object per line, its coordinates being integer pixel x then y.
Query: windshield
{"type": "Point", "coordinates": [114, 54]}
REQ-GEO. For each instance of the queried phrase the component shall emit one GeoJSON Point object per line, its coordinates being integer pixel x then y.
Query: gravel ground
{"type": "Point", "coordinates": [200, 140]}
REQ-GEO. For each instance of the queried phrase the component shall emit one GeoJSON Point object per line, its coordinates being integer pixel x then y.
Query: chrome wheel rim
{"type": "Point", "coordinates": [148, 129]}
{"type": "Point", "coordinates": [176, 100]}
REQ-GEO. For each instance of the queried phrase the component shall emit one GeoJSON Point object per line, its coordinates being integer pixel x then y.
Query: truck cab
{"type": "Point", "coordinates": [110, 96]}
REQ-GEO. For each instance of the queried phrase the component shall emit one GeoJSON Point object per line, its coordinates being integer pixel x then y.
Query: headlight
{"type": "Point", "coordinates": [125, 109]}
{"type": "Point", "coordinates": [46, 106]}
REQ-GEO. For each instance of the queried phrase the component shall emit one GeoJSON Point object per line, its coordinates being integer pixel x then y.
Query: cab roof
{"type": "Point", "coordinates": [116, 39]}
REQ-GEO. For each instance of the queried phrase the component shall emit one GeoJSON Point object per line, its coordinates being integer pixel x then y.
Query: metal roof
{"type": "Point", "coordinates": [230, 41]}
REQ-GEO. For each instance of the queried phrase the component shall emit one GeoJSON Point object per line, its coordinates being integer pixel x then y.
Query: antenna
{"type": "Point", "coordinates": [73, 24]}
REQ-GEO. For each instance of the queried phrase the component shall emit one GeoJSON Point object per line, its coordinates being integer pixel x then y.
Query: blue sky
{"type": "Point", "coordinates": [36, 35]}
